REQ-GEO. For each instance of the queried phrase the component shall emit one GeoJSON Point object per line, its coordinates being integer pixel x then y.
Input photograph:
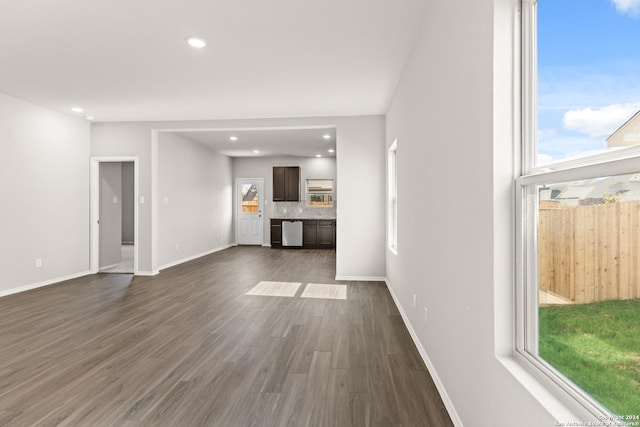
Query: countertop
{"type": "Point", "coordinates": [304, 218]}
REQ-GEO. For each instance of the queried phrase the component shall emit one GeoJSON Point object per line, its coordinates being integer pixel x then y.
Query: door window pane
{"type": "Point", "coordinates": [250, 198]}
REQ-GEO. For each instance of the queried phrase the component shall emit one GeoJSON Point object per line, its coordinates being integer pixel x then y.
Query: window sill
{"type": "Point", "coordinates": [560, 404]}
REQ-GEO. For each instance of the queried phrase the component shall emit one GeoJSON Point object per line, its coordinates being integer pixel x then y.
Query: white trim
{"type": "Point", "coordinates": [392, 197]}
{"type": "Point", "coordinates": [265, 245]}
{"type": "Point", "coordinates": [191, 258]}
{"type": "Point", "coordinates": [529, 86]}
{"type": "Point", "coordinates": [43, 283]}
{"type": "Point", "coordinates": [455, 418]}
{"type": "Point", "coordinates": [607, 167]}
{"type": "Point", "coordinates": [154, 200]}
{"type": "Point", "coordinates": [147, 273]}
{"type": "Point", "coordinates": [94, 186]}
{"type": "Point", "coordinates": [593, 159]}
{"type": "Point", "coordinates": [245, 128]}
{"type": "Point", "coordinates": [362, 278]}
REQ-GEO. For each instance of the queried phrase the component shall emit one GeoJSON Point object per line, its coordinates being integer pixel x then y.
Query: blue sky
{"type": "Point", "coordinates": [588, 73]}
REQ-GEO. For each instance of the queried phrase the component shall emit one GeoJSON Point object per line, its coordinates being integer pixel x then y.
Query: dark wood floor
{"type": "Point", "coordinates": [189, 348]}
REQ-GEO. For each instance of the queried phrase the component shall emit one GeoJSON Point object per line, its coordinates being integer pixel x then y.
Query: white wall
{"type": "Point", "coordinates": [360, 174]}
{"type": "Point", "coordinates": [131, 140]}
{"type": "Point", "coordinates": [110, 214]}
{"type": "Point", "coordinates": [44, 184]}
{"type": "Point", "coordinates": [194, 187]}
{"type": "Point", "coordinates": [361, 209]}
{"type": "Point", "coordinates": [452, 116]}
{"type": "Point", "coordinates": [310, 168]}
{"type": "Point", "coordinates": [128, 202]}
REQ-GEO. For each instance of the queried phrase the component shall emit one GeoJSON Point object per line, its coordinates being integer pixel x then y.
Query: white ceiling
{"type": "Point", "coordinates": [127, 60]}
{"type": "Point", "coordinates": [300, 142]}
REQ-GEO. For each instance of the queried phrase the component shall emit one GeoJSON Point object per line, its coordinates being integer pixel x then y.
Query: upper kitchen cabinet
{"type": "Point", "coordinates": [286, 183]}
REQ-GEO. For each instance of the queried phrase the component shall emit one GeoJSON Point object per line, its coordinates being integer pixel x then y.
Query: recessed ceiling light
{"type": "Point", "coordinates": [256, 151]}
{"type": "Point", "coordinates": [331, 150]}
{"type": "Point", "coordinates": [318, 155]}
{"type": "Point", "coordinates": [233, 138]}
{"type": "Point", "coordinates": [89, 117]}
{"type": "Point", "coordinates": [77, 109]}
{"type": "Point", "coordinates": [196, 42]}
{"type": "Point", "coordinates": [326, 136]}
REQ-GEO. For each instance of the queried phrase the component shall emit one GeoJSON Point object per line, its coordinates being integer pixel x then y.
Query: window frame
{"type": "Point", "coordinates": [615, 162]}
{"type": "Point", "coordinates": [392, 208]}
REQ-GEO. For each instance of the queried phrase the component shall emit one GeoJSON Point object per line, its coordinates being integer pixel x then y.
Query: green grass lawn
{"type": "Point", "coordinates": [597, 346]}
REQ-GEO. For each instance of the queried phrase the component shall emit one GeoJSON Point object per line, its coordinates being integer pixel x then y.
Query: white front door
{"type": "Point", "coordinates": [249, 208]}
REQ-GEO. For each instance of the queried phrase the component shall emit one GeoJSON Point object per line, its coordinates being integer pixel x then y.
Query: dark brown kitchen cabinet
{"type": "Point", "coordinates": [310, 234]}
{"type": "Point", "coordinates": [316, 234]}
{"type": "Point", "coordinates": [326, 234]}
{"type": "Point", "coordinates": [276, 233]}
{"type": "Point", "coordinates": [286, 183]}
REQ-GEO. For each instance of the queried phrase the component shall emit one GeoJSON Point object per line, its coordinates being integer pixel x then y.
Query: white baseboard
{"type": "Point", "coordinates": [42, 284]}
{"type": "Point", "coordinates": [147, 273]}
{"type": "Point", "coordinates": [362, 278]}
{"type": "Point", "coordinates": [191, 258]}
{"type": "Point", "coordinates": [266, 245]}
{"type": "Point", "coordinates": [455, 418]}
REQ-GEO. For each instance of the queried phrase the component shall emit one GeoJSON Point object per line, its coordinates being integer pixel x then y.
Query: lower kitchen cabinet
{"type": "Point", "coordinates": [310, 234]}
{"type": "Point", "coordinates": [276, 233]}
{"type": "Point", "coordinates": [326, 234]}
{"type": "Point", "coordinates": [316, 234]}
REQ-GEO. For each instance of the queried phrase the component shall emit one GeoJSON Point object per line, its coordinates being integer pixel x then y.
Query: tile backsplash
{"type": "Point", "coordinates": [277, 210]}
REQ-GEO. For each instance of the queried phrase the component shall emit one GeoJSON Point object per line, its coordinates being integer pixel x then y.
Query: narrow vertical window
{"type": "Point", "coordinates": [392, 171]}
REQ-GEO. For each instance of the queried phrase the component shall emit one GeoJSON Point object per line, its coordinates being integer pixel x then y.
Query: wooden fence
{"type": "Point", "coordinates": [590, 253]}
{"type": "Point", "coordinates": [250, 206]}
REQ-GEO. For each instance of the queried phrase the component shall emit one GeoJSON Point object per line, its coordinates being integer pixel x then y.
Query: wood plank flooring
{"type": "Point", "coordinates": [189, 348]}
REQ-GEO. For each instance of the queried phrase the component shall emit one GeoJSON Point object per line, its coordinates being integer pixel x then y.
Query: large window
{"type": "Point", "coordinates": [392, 176]}
{"type": "Point", "coordinates": [579, 202]}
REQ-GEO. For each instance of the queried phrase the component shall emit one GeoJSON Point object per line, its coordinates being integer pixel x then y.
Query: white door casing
{"type": "Point", "coordinates": [94, 258]}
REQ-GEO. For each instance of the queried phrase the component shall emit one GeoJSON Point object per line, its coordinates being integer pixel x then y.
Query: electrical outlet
{"type": "Point", "coordinates": [177, 246]}
{"type": "Point", "coordinates": [414, 300]}
{"type": "Point", "coordinates": [284, 210]}
{"type": "Point", "coordinates": [426, 315]}
{"type": "Point", "coordinates": [166, 200]}
{"type": "Point", "coordinates": [38, 262]}
{"type": "Point", "coordinates": [142, 200]}
{"type": "Point", "coordinates": [299, 210]}
{"type": "Point", "coordinates": [217, 237]}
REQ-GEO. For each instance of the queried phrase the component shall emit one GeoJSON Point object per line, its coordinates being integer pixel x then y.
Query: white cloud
{"type": "Point", "coordinates": [546, 133]}
{"type": "Point", "coordinates": [629, 7]}
{"type": "Point", "coordinates": [544, 159]}
{"type": "Point", "coordinates": [599, 122]}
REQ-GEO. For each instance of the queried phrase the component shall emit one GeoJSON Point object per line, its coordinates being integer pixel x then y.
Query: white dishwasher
{"type": "Point", "coordinates": [292, 233]}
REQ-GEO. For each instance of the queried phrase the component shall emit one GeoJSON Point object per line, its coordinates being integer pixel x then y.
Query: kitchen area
{"type": "Point", "coordinates": [299, 199]}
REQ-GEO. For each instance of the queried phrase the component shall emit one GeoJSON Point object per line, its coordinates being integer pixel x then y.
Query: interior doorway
{"type": "Point", "coordinates": [114, 215]}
